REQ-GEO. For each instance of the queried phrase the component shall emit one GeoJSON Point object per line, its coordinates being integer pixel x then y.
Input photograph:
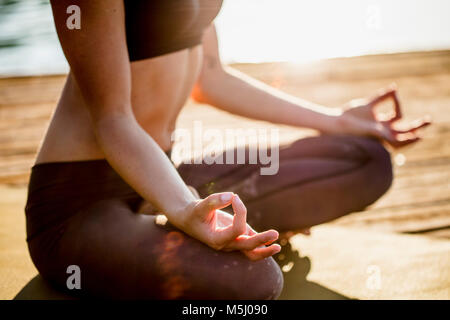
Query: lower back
{"type": "Point", "coordinates": [160, 88]}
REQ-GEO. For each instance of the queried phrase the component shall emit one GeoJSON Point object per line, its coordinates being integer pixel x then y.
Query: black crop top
{"type": "Point", "coordinates": [157, 27]}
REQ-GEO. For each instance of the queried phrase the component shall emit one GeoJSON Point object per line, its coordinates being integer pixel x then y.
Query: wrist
{"type": "Point", "coordinates": [181, 216]}
{"type": "Point", "coordinates": [334, 124]}
{"type": "Point", "coordinates": [354, 125]}
{"type": "Point", "coordinates": [325, 119]}
{"type": "Point", "coordinates": [342, 123]}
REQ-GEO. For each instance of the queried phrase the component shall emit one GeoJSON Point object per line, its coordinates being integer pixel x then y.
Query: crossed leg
{"type": "Point", "coordinates": [127, 255]}
{"type": "Point", "coordinates": [319, 179]}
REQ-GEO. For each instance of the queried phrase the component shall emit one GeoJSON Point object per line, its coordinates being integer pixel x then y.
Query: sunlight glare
{"type": "Point", "coordinates": [301, 31]}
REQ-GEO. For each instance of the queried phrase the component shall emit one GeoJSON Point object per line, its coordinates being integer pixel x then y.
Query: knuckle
{"type": "Point", "coordinates": [236, 233]}
{"type": "Point", "coordinates": [215, 246]}
{"type": "Point", "coordinates": [218, 245]}
{"type": "Point", "coordinates": [254, 258]}
{"type": "Point", "coordinates": [209, 198]}
{"type": "Point", "coordinates": [240, 230]}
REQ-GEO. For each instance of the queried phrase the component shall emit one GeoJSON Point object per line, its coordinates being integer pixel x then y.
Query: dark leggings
{"type": "Point", "coordinates": [319, 179]}
{"type": "Point", "coordinates": [84, 214]}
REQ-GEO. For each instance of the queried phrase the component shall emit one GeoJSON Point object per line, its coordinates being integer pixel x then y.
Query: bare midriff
{"type": "Point", "coordinates": [160, 88]}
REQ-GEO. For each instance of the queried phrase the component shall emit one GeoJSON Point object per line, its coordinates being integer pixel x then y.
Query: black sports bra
{"type": "Point", "coordinates": [157, 27]}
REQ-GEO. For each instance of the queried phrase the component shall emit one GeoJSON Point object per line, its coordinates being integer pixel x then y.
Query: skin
{"type": "Point", "coordinates": [111, 109]}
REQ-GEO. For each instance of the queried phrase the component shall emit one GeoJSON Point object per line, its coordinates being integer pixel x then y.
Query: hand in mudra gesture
{"type": "Point", "coordinates": [223, 231]}
{"type": "Point", "coordinates": [360, 118]}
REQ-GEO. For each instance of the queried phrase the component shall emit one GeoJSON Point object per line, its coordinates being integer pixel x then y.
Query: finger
{"type": "Point", "coordinates": [397, 109]}
{"type": "Point", "coordinates": [399, 143]}
{"type": "Point", "coordinates": [391, 92]}
{"type": "Point", "coordinates": [386, 94]}
{"type": "Point", "coordinates": [240, 216]}
{"type": "Point", "coordinates": [418, 124]}
{"type": "Point", "coordinates": [250, 231]}
{"type": "Point", "coordinates": [404, 143]}
{"type": "Point", "coordinates": [239, 225]}
{"type": "Point", "coordinates": [262, 252]}
{"type": "Point", "coordinates": [214, 201]}
{"type": "Point", "coordinates": [244, 242]}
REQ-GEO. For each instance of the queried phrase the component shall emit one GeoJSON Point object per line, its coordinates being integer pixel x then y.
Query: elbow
{"type": "Point", "coordinates": [105, 114]}
{"type": "Point", "coordinates": [199, 94]}
{"type": "Point", "coordinates": [115, 133]}
{"type": "Point", "coordinates": [110, 125]}
{"type": "Point", "coordinates": [208, 86]}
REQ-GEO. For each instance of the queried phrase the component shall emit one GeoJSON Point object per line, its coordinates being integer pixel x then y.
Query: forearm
{"type": "Point", "coordinates": [143, 165]}
{"type": "Point", "coordinates": [239, 94]}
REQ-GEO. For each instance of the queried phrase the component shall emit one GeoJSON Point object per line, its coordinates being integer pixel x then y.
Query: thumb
{"type": "Point", "coordinates": [214, 201]}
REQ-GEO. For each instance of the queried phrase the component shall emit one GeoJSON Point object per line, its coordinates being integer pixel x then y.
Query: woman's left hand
{"type": "Point", "coordinates": [360, 118]}
{"type": "Point", "coordinates": [224, 219]}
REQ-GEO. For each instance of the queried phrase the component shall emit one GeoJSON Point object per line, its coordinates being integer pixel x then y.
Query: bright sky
{"type": "Point", "coordinates": [301, 30]}
{"type": "Point", "coordinates": [263, 30]}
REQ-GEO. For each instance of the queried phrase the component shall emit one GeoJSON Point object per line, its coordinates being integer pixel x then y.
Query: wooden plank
{"type": "Point", "coordinates": [418, 203]}
{"type": "Point", "coordinates": [422, 218]}
{"type": "Point", "coordinates": [360, 264]}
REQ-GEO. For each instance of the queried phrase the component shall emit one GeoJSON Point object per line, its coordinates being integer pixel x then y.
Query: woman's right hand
{"type": "Point", "coordinates": [204, 221]}
{"type": "Point", "coordinates": [360, 118]}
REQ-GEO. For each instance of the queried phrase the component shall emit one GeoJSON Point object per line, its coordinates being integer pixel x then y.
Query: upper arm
{"type": "Point", "coordinates": [211, 58]}
{"type": "Point", "coordinates": [97, 53]}
{"type": "Point", "coordinates": [211, 69]}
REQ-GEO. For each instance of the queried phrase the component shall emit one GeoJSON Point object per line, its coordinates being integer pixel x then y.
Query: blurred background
{"type": "Point", "coordinates": [255, 31]}
{"type": "Point", "coordinates": [325, 51]}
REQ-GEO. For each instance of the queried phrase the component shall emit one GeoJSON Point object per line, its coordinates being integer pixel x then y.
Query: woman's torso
{"type": "Point", "coordinates": [160, 85]}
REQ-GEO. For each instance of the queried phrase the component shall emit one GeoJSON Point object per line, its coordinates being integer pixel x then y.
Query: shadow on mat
{"type": "Point", "coordinates": [39, 289]}
{"type": "Point", "coordinates": [296, 286]}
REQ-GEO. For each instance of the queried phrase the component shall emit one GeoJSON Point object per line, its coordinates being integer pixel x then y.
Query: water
{"type": "Point", "coordinates": [255, 31]}
{"type": "Point", "coordinates": [28, 41]}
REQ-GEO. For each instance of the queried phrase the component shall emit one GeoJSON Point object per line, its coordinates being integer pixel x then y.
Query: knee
{"type": "Point", "coordinates": [382, 161]}
{"type": "Point", "coordinates": [263, 280]}
{"type": "Point", "coordinates": [380, 174]}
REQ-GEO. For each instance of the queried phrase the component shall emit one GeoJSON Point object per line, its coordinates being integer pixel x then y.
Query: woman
{"type": "Point", "coordinates": [105, 158]}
